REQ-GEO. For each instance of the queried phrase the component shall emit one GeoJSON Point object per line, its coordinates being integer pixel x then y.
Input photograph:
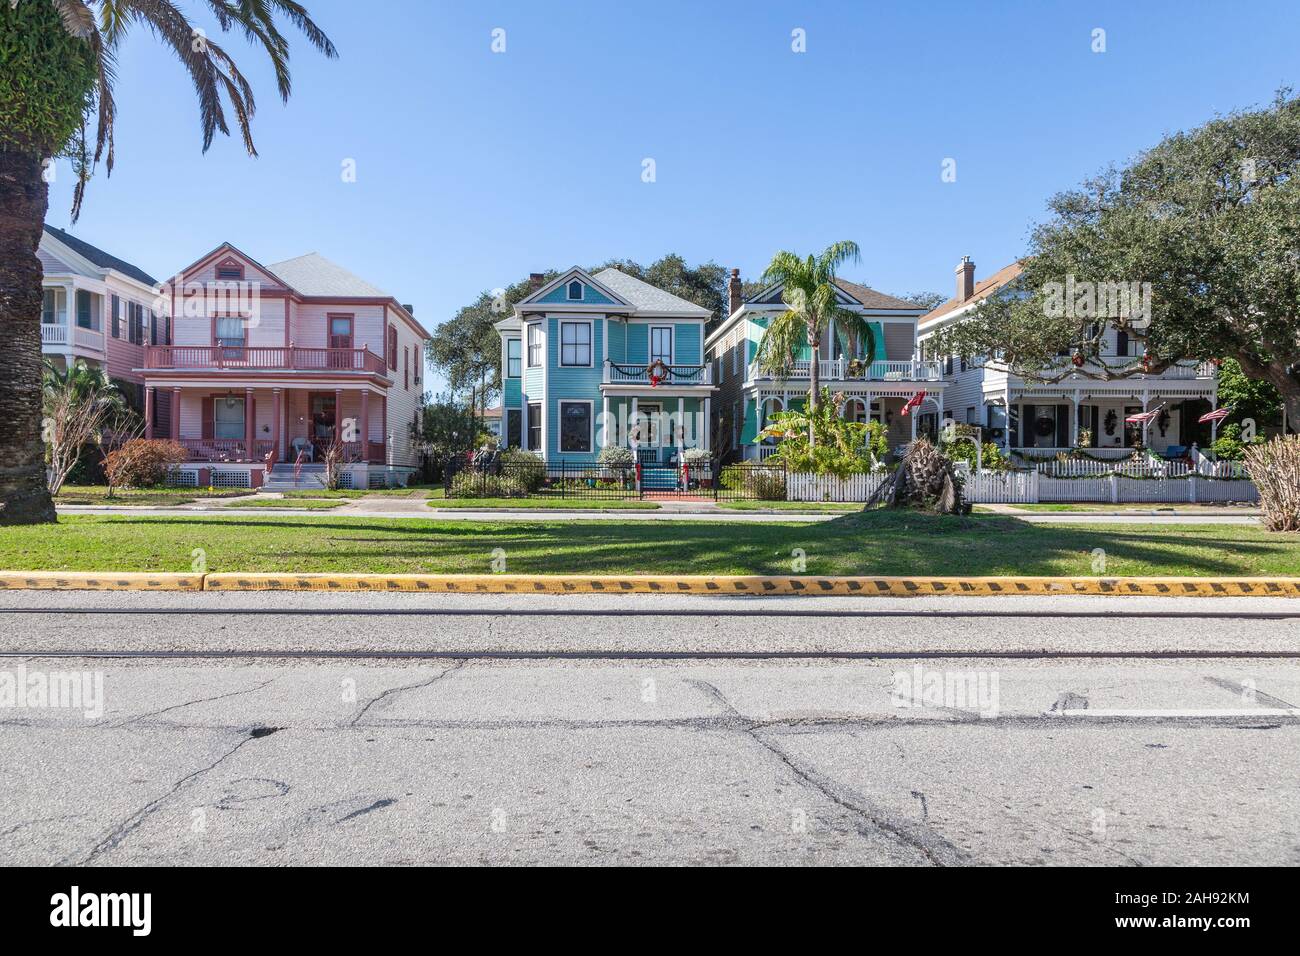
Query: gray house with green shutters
{"type": "Point", "coordinates": [605, 359]}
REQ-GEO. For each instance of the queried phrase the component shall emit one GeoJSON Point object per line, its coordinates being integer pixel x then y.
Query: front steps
{"type": "Point", "coordinates": [281, 478]}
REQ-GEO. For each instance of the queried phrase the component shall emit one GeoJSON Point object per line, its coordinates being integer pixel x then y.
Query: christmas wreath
{"type": "Point", "coordinates": [656, 371]}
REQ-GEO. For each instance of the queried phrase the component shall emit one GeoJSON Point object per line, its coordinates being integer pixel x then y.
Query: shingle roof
{"type": "Point", "coordinates": [315, 275]}
{"type": "Point", "coordinates": [983, 289]}
{"type": "Point", "coordinates": [646, 297]}
{"type": "Point", "coordinates": [872, 299]}
{"type": "Point", "coordinates": [99, 257]}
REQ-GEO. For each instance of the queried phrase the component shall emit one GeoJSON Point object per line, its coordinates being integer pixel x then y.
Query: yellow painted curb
{"type": "Point", "coordinates": [805, 585]}
{"type": "Point", "coordinates": [98, 581]}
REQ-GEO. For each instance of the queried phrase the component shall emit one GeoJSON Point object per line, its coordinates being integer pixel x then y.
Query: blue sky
{"type": "Point", "coordinates": [475, 168]}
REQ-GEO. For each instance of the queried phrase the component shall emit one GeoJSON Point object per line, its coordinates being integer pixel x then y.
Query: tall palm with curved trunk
{"type": "Point", "coordinates": [56, 80]}
{"type": "Point", "coordinates": [812, 300]}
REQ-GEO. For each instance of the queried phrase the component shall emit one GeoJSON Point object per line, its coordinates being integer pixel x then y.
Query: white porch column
{"type": "Point", "coordinates": [1006, 431]}
{"type": "Point", "coordinates": [708, 424]}
{"type": "Point", "coordinates": [681, 426]}
{"type": "Point", "coordinates": [604, 415]}
{"type": "Point", "coordinates": [1074, 420]}
{"type": "Point", "coordinates": [632, 427]}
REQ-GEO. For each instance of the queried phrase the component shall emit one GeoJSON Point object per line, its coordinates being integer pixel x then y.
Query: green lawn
{"type": "Point", "coordinates": [299, 503]}
{"type": "Point", "coordinates": [877, 543]}
{"type": "Point", "coordinates": [414, 491]}
{"type": "Point", "coordinates": [1127, 507]}
{"type": "Point", "coordinates": [570, 504]}
{"type": "Point", "coordinates": [98, 495]}
{"type": "Point", "coordinates": [821, 506]}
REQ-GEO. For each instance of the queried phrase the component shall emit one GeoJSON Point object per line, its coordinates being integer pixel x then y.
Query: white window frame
{"type": "Point", "coordinates": [528, 427]}
{"type": "Point", "coordinates": [518, 343]}
{"type": "Point", "coordinates": [591, 344]}
{"type": "Point", "coordinates": [672, 343]}
{"type": "Point", "coordinates": [735, 357]}
{"type": "Point", "coordinates": [591, 425]}
{"type": "Point", "coordinates": [535, 332]}
{"type": "Point", "coordinates": [568, 290]}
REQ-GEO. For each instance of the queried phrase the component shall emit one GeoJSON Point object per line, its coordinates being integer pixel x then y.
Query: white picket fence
{"type": "Point", "coordinates": [800, 486]}
{"type": "Point", "coordinates": [1031, 487]}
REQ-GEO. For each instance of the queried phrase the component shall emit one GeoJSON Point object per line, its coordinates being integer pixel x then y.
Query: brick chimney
{"type": "Point", "coordinates": [965, 279]}
{"type": "Point", "coordinates": [535, 281]}
{"type": "Point", "coordinates": [734, 296]}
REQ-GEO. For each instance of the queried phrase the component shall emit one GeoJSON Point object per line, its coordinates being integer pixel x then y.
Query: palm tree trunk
{"type": "Point", "coordinates": [24, 196]}
{"type": "Point", "coordinates": [815, 386]}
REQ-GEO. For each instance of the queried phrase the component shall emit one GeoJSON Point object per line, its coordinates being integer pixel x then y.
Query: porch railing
{"type": "Point", "coordinates": [54, 334]}
{"type": "Point", "coordinates": [262, 357]}
{"type": "Point", "coordinates": [619, 374]}
{"type": "Point", "coordinates": [840, 369]}
{"type": "Point", "coordinates": [226, 449]}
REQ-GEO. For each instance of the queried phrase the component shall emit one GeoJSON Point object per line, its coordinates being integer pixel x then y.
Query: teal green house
{"type": "Point", "coordinates": [594, 360]}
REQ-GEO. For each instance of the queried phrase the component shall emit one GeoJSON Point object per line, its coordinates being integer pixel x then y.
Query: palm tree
{"type": "Point", "coordinates": [809, 291]}
{"type": "Point", "coordinates": [56, 77]}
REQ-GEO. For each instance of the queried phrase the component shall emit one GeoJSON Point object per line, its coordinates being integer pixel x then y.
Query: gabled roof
{"type": "Point", "coordinates": [871, 299]}
{"type": "Point", "coordinates": [314, 275]}
{"type": "Point", "coordinates": [983, 289]}
{"type": "Point", "coordinates": [646, 297]}
{"type": "Point", "coordinates": [99, 257]}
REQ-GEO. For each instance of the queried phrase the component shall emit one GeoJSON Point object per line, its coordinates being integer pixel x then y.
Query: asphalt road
{"type": "Point", "coordinates": [652, 730]}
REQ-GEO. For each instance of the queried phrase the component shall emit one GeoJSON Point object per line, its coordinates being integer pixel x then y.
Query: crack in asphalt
{"type": "Point", "coordinates": [397, 690]}
{"type": "Point", "coordinates": [1239, 689]}
{"type": "Point", "coordinates": [133, 822]}
{"type": "Point", "coordinates": [190, 703]}
{"type": "Point", "coordinates": [925, 840]}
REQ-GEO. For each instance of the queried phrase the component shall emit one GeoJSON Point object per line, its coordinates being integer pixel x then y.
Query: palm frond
{"type": "Point", "coordinates": [77, 18]}
{"type": "Point", "coordinates": [786, 333]}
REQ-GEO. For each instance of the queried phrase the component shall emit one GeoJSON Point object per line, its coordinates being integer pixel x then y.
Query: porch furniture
{"type": "Point", "coordinates": [301, 446]}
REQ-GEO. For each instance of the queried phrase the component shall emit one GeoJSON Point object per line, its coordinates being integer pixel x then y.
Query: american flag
{"type": "Point", "coordinates": [1142, 417]}
{"type": "Point", "coordinates": [1218, 415]}
{"type": "Point", "coordinates": [914, 402]}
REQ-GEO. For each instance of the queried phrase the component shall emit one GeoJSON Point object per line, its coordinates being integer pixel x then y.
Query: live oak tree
{"type": "Point", "coordinates": [1209, 218]}
{"type": "Point", "coordinates": [57, 62]}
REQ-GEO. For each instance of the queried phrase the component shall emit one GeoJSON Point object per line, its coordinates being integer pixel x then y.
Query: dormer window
{"type": "Point", "coordinates": [575, 291]}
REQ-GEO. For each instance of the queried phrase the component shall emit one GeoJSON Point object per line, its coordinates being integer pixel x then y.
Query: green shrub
{"type": "Point", "coordinates": [841, 447]}
{"type": "Point", "coordinates": [524, 467]}
{"type": "Point", "coordinates": [756, 481]}
{"type": "Point", "coordinates": [471, 484]}
{"type": "Point", "coordinates": [616, 456]}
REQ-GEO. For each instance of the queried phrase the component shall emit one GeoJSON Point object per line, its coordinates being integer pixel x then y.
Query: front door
{"type": "Point", "coordinates": [340, 355]}
{"type": "Point", "coordinates": [322, 412]}
{"type": "Point", "coordinates": [647, 431]}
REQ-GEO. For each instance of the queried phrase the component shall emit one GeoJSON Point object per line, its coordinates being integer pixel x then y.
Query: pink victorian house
{"type": "Point", "coordinates": [269, 365]}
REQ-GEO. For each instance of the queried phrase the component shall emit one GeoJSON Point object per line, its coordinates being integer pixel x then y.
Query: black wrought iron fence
{"type": "Point", "coordinates": [497, 477]}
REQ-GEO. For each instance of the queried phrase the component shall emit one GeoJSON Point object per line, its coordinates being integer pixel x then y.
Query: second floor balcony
{"type": "Point", "coordinates": [617, 373]}
{"type": "Point", "coordinates": [847, 370]}
{"type": "Point", "coordinates": [259, 358]}
{"type": "Point", "coordinates": [60, 335]}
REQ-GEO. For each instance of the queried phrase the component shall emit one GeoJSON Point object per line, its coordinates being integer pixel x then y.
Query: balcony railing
{"type": "Point", "coordinates": [262, 357]}
{"type": "Point", "coordinates": [617, 374]}
{"type": "Point", "coordinates": [841, 370]}
{"type": "Point", "coordinates": [88, 338]}
{"type": "Point", "coordinates": [54, 334]}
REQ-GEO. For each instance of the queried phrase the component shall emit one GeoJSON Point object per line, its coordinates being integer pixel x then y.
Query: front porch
{"type": "Point", "coordinates": [1044, 422]}
{"type": "Point", "coordinates": [267, 425]}
{"type": "Point", "coordinates": [658, 424]}
{"type": "Point", "coordinates": [882, 403]}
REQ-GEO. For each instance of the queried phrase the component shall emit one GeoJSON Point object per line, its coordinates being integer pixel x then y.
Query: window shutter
{"type": "Point", "coordinates": [209, 415]}
{"type": "Point", "coordinates": [392, 347]}
{"type": "Point", "coordinates": [406, 367]}
{"type": "Point", "coordinates": [116, 307]}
